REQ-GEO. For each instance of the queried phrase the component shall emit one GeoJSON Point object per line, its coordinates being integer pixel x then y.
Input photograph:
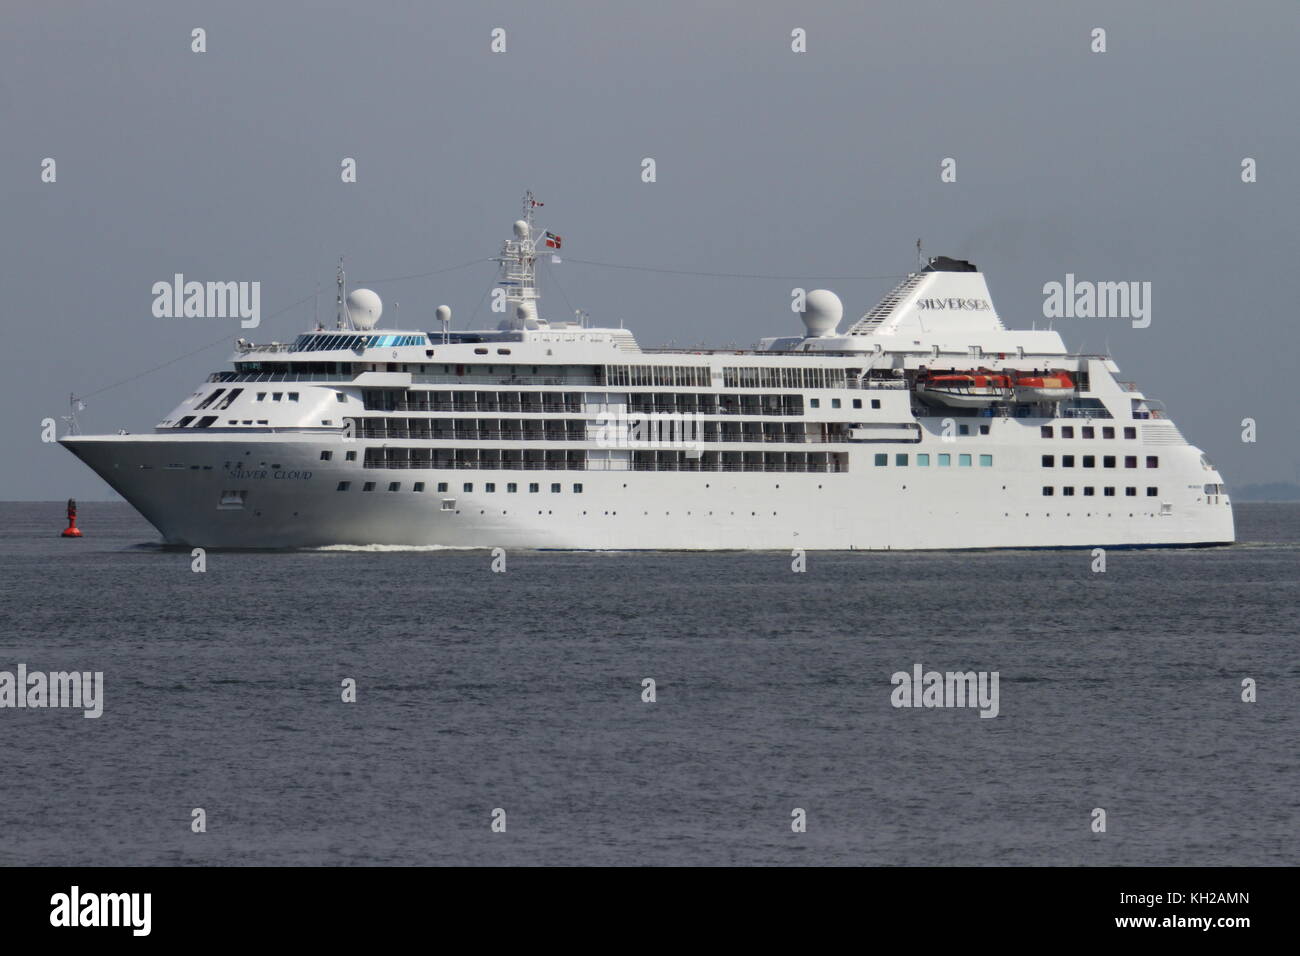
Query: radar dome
{"type": "Point", "coordinates": [443, 313]}
{"type": "Point", "coordinates": [822, 312]}
{"type": "Point", "coordinates": [364, 308]}
{"type": "Point", "coordinates": [521, 229]}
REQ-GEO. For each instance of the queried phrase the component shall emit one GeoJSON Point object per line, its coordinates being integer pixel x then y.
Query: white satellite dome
{"type": "Point", "coordinates": [822, 311]}
{"type": "Point", "coordinates": [443, 313]}
{"type": "Point", "coordinates": [364, 308]}
{"type": "Point", "coordinates": [521, 229]}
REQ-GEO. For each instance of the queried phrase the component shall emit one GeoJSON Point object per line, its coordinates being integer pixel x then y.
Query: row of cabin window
{"type": "Point", "coordinates": [923, 460]}
{"type": "Point", "coordinates": [1087, 431]}
{"type": "Point", "coordinates": [279, 396]}
{"type": "Point", "coordinates": [835, 403]}
{"type": "Point", "coordinates": [347, 456]}
{"type": "Point", "coordinates": [1107, 461]}
{"type": "Point", "coordinates": [468, 487]}
{"type": "Point", "coordinates": [1089, 491]}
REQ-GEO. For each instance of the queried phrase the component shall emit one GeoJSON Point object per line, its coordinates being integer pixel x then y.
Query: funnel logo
{"type": "Point", "coordinates": [208, 300]}
{"type": "Point", "coordinates": [954, 305]}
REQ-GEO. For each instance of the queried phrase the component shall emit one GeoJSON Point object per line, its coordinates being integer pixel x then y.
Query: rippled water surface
{"type": "Point", "coordinates": [523, 691]}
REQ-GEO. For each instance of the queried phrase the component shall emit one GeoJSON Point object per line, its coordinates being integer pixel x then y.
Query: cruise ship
{"type": "Point", "coordinates": [925, 424]}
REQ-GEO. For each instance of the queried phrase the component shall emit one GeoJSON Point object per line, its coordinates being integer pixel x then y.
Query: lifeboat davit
{"type": "Point", "coordinates": [965, 389]}
{"type": "Point", "coordinates": [1054, 387]}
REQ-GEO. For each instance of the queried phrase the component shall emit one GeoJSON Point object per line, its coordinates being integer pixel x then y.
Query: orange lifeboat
{"type": "Point", "coordinates": [965, 389]}
{"type": "Point", "coordinates": [1053, 387]}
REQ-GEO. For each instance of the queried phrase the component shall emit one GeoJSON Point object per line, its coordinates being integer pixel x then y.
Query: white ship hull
{"type": "Point", "coordinates": [866, 508]}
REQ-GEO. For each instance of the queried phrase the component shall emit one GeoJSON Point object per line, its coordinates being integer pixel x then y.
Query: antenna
{"type": "Point", "coordinates": [518, 276]}
{"type": "Point", "coordinates": [342, 280]}
{"type": "Point", "coordinates": [920, 258]}
{"type": "Point", "coordinates": [74, 405]}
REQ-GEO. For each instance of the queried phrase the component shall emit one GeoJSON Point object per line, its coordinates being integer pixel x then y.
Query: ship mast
{"type": "Point", "coordinates": [518, 276]}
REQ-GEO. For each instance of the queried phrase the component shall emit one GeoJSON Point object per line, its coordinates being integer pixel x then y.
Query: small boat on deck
{"type": "Point", "coordinates": [1053, 387]}
{"type": "Point", "coordinates": [965, 389]}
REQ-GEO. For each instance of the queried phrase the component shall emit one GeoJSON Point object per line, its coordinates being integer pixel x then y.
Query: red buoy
{"type": "Point", "coordinates": [72, 531]}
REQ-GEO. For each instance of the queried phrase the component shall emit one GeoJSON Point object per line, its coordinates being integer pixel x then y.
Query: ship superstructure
{"type": "Point", "coordinates": [926, 424]}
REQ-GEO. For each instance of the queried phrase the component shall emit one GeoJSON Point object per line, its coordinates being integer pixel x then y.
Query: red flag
{"type": "Point", "coordinates": [553, 241]}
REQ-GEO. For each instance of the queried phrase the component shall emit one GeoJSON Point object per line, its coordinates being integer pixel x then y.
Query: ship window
{"type": "Point", "coordinates": [1067, 431]}
{"type": "Point", "coordinates": [442, 486]}
{"type": "Point", "coordinates": [480, 351]}
{"type": "Point", "coordinates": [1130, 492]}
{"type": "Point", "coordinates": [1089, 461]}
{"type": "Point", "coordinates": [1130, 461]}
{"type": "Point", "coordinates": [1089, 432]}
{"type": "Point", "coordinates": [368, 486]}
{"type": "Point", "coordinates": [490, 486]}
{"type": "Point", "coordinates": [340, 397]}
{"type": "Point", "coordinates": [945, 460]}
{"type": "Point", "coordinates": [857, 403]}
{"type": "Point", "coordinates": [923, 461]}
{"type": "Point", "coordinates": [963, 461]}
{"type": "Point", "coordinates": [467, 487]}
{"type": "Point", "coordinates": [1130, 432]}
{"type": "Point", "coordinates": [277, 396]}
{"type": "Point", "coordinates": [184, 422]}
{"type": "Point", "coordinates": [418, 486]}
{"type": "Point", "coordinates": [205, 421]}
{"type": "Point", "coordinates": [534, 487]}
{"type": "Point", "coordinates": [882, 460]}
{"type": "Point", "coordinates": [1048, 490]}
{"type": "Point", "coordinates": [963, 429]}
{"type": "Point", "coordinates": [984, 429]}
{"type": "Point", "coordinates": [1152, 460]}
{"type": "Point", "coordinates": [1108, 492]}
{"type": "Point", "coordinates": [343, 486]}
{"type": "Point", "coordinates": [1067, 461]}
{"type": "Point", "coordinates": [511, 488]}
{"type": "Point", "coordinates": [293, 396]}
{"type": "Point", "coordinates": [1089, 491]}
{"type": "Point", "coordinates": [555, 487]}
{"type": "Point", "coordinates": [1108, 461]}
{"type": "Point", "coordinates": [1068, 491]}
{"type": "Point", "coordinates": [261, 396]}
{"type": "Point", "coordinates": [815, 402]}
{"type": "Point", "coordinates": [394, 486]}
{"type": "Point", "coordinates": [900, 460]}
{"type": "Point", "coordinates": [577, 488]}
{"type": "Point", "coordinates": [1107, 432]}
{"type": "Point", "coordinates": [1152, 492]}
{"type": "Point", "coordinates": [986, 461]}
{"type": "Point", "coordinates": [875, 403]}
{"type": "Point", "coordinates": [1049, 461]}
{"type": "Point", "coordinates": [326, 455]}
{"type": "Point", "coordinates": [350, 456]}
{"type": "Point", "coordinates": [448, 504]}
{"type": "Point", "coordinates": [1045, 431]}
{"type": "Point", "coordinates": [835, 403]}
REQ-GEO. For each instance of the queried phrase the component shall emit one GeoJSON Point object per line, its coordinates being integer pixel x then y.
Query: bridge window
{"type": "Point", "coordinates": [343, 486]}
{"type": "Point", "coordinates": [923, 461]}
{"type": "Point", "coordinates": [963, 461]}
{"type": "Point", "coordinates": [882, 460]}
{"type": "Point", "coordinates": [986, 461]}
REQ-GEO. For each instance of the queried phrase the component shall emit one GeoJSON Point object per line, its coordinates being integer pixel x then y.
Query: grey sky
{"type": "Point", "coordinates": [225, 166]}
